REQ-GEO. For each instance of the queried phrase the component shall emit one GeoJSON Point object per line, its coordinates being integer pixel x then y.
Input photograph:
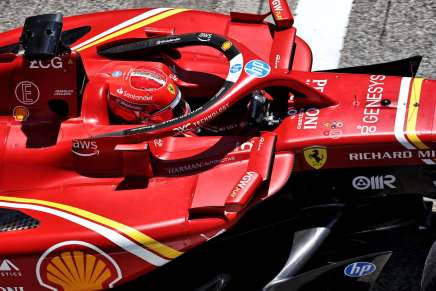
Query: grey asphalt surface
{"type": "Point", "coordinates": [378, 31]}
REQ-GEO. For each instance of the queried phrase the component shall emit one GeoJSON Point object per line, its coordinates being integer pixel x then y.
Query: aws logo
{"type": "Point", "coordinates": [77, 265]}
{"type": "Point", "coordinates": [85, 148]}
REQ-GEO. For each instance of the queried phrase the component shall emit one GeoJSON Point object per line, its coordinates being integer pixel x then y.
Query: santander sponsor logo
{"type": "Point", "coordinates": [85, 148]}
{"type": "Point", "coordinates": [133, 96]}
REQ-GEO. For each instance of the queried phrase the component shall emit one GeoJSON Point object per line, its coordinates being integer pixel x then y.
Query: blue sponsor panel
{"type": "Point", "coordinates": [236, 68]}
{"type": "Point", "coordinates": [359, 269]}
{"type": "Point", "coordinates": [257, 68]}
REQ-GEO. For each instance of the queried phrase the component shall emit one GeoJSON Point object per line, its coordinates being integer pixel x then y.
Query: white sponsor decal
{"type": "Point", "coordinates": [171, 40]}
{"type": "Point", "coordinates": [398, 155]}
{"type": "Point", "coordinates": [307, 118]}
{"type": "Point", "coordinates": [246, 146]}
{"type": "Point", "coordinates": [9, 269]}
{"type": "Point", "coordinates": [204, 37]}
{"type": "Point", "coordinates": [11, 288]}
{"type": "Point", "coordinates": [277, 5]}
{"type": "Point", "coordinates": [235, 71]}
{"type": "Point", "coordinates": [317, 84]}
{"type": "Point", "coordinates": [242, 184]}
{"type": "Point", "coordinates": [277, 61]}
{"type": "Point", "coordinates": [211, 116]}
{"type": "Point", "coordinates": [63, 92]}
{"type": "Point", "coordinates": [55, 63]}
{"type": "Point", "coordinates": [84, 148]}
{"type": "Point", "coordinates": [394, 155]}
{"type": "Point", "coordinates": [374, 183]}
{"type": "Point", "coordinates": [183, 128]}
{"type": "Point", "coordinates": [158, 142]}
{"type": "Point", "coordinates": [133, 96]}
{"type": "Point", "coordinates": [198, 165]}
{"type": "Point", "coordinates": [27, 93]}
{"type": "Point", "coordinates": [371, 111]}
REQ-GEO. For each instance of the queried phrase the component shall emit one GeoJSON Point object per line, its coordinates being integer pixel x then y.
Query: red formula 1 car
{"type": "Point", "coordinates": [171, 149]}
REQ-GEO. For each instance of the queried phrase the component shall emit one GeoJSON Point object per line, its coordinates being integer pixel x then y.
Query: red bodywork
{"type": "Point", "coordinates": [138, 205]}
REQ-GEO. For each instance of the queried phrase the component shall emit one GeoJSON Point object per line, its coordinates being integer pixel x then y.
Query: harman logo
{"type": "Point", "coordinates": [359, 269]}
{"type": "Point", "coordinates": [374, 183]}
{"type": "Point", "coordinates": [8, 269]}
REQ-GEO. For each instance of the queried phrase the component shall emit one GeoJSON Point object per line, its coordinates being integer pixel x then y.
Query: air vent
{"type": "Point", "coordinates": [13, 220]}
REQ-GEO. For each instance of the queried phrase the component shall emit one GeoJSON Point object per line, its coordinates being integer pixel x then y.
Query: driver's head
{"type": "Point", "coordinates": [145, 93]}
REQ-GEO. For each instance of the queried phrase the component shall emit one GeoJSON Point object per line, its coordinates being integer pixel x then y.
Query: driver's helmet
{"type": "Point", "coordinates": [145, 94]}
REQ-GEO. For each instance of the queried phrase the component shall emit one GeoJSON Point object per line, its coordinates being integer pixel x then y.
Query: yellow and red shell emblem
{"type": "Point", "coordinates": [226, 45]}
{"type": "Point", "coordinates": [78, 266]}
{"type": "Point", "coordinates": [20, 113]}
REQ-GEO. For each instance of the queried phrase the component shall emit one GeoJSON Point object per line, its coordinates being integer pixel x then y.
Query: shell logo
{"type": "Point", "coordinates": [77, 266]}
{"type": "Point", "coordinates": [20, 113]}
{"type": "Point", "coordinates": [226, 45]}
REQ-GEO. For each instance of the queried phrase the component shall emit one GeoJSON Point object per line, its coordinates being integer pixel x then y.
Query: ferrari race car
{"type": "Point", "coordinates": [172, 149]}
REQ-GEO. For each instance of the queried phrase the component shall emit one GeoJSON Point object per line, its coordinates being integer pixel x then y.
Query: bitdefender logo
{"type": "Point", "coordinates": [9, 269]}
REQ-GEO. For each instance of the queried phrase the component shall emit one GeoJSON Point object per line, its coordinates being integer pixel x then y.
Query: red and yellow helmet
{"type": "Point", "coordinates": [146, 94]}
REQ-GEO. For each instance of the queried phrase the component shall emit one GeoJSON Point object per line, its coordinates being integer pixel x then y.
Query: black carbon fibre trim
{"type": "Point", "coordinates": [151, 45]}
{"type": "Point", "coordinates": [13, 220]}
{"type": "Point", "coordinates": [68, 37]}
{"type": "Point", "coordinates": [138, 130]}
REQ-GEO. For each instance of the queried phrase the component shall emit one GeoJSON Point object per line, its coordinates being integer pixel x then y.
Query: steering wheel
{"type": "Point", "coordinates": [234, 88]}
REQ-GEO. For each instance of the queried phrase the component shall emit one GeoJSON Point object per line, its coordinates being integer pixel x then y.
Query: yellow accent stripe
{"type": "Point", "coordinates": [131, 232]}
{"type": "Point", "coordinates": [413, 114]}
{"type": "Point", "coordinates": [135, 26]}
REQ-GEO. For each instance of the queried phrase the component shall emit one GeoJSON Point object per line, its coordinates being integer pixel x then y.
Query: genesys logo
{"type": "Point", "coordinates": [9, 269]}
{"type": "Point", "coordinates": [362, 183]}
{"type": "Point", "coordinates": [85, 148]}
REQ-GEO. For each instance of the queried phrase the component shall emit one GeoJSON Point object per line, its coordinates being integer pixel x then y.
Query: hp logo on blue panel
{"type": "Point", "coordinates": [359, 269]}
{"type": "Point", "coordinates": [257, 68]}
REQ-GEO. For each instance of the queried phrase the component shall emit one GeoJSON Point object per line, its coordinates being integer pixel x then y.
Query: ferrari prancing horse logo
{"type": "Point", "coordinates": [316, 156]}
